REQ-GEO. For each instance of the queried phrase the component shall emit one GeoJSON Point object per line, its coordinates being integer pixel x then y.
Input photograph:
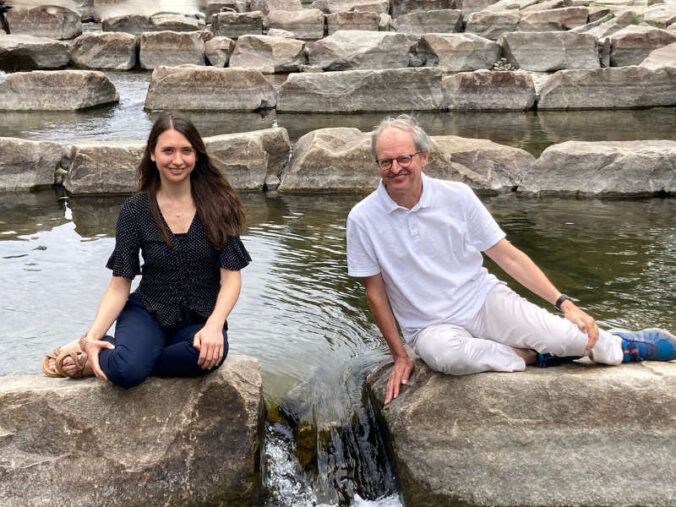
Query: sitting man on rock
{"type": "Point", "coordinates": [416, 244]}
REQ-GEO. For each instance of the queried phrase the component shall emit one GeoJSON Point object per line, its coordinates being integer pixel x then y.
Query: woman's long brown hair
{"type": "Point", "coordinates": [217, 203]}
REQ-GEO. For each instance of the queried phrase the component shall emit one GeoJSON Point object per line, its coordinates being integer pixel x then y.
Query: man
{"type": "Point", "coordinates": [416, 244]}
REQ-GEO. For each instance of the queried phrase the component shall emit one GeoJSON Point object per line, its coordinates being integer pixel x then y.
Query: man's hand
{"type": "Point", "coordinates": [401, 370]}
{"type": "Point", "coordinates": [582, 320]}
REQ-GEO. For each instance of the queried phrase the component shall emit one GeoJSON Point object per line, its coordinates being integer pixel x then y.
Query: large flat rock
{"type": "Point", "coordinates": [458, 52]}
{"type": "Point", "coordinates": [550, 51]}
{"type": "Point", "coordinates": [632, 44]}
{"type": "Point", "coordinates": [49, 20]}
{"type": "Point", "coordinates": [485, 91]}
{"type": "Point", "coordinates": [56, 90]}
{"type": "Point", "coordinates": [608, 167]}
{"type": "Point", "coordinates": [26, 52]}
{"type": "Point", "coordinates": [576, 435]}
{"type": "Point", "coordinates": [29, 165]}
{"type": "Point", "coordinates": [354, 91]}
{"type": "Point", "coordinates": [170, 48]}
{"type": "Point", "coordinates": [109, 50]}
{"type": "Point", "coordinates": [268, 54]}
{"type": "Point", "coordinates": [192, 87]}
{"type": "Point", "coordinates": [165, 442]}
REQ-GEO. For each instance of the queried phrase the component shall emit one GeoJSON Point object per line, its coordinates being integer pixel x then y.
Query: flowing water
{"type": "Point", "coordinates": [299, 313]}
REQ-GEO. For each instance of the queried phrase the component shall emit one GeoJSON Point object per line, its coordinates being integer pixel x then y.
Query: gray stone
{"type": "Point", "coordinates": [265, 6]}
{"type": "Point", "coordinates": [491, 25]}
{"type": "Point", "coordinates": [612, 88]}
{"type": "Point", "coordinates": [25, 52]}
{"type": "Point", "coordinates": [276, 32]}
{"type": "Point", "coordinates": [268, 54]}
{"type": "Point", "coordinates": [662, 57]}
{"type": "Point", "coordinates": [608, 167]}
{"type": "Point", "coordinates": [632, 44]}
{"type": "Point", "coordinates": [354, 49]}
{"type": "Point", "coordinates": [470, 6]}
{"type": "Point", "coordinates": [660, 16]}
{"type": "Point", "coordinates": [167, 21]}
{"type": "Point", "coordinates": [422, 22]}
{"type": "Point", "coordinates": [170, 48]}
{"type": "Point", "coordinates": [116, 51]}
{"type": "Point", "coordinates": [56, 90]}
{"type": "Point", "coordinates": [458, 52]}
{"type": "Point", "coordinates": [307, 24]}
{"type": "Point", "coordinates": [233, 24]}
{"type": "Point", "coordinates": [352, 21]}
{"type": "Point", "coordinates": [333, 6]}
{"type": "Point", "coordinates": [249, 158]}
{"type": "Point", "coordinates": [400, 7]}
{"type": "Point", "coordinates": [548, 5]}
{"type": "Point", "coordinates": [553, 20]}
{"type": "Point", "coordinates": [84, 442]}
{"type": "Point", "coordinates": [510, 5]}
{"type": "Point", "coordinates": [51, 21]}
{"type": "Point", "coordinates": [540, 437]}
{"type": "Point", "coordinates": [216, 6]}
{"type": "Point", "coordinates": [135, 24]}
{"type": "Point", "coordinates": [218, 50]}
{"type": "Point", "coordinates": [209, 88]}
{"type": "Point", "coordinates": [354, 91]}
{"type": "Point", "coordinates": [608, 25]}
{"type": "Point", "coordinates": [486, 91]}
{"type": "Point", "coordinates": [28, 165]}
{"type": "Point", "coordinates": [550, 51]}
{"type": "Point", "coordinates": [99, 167]}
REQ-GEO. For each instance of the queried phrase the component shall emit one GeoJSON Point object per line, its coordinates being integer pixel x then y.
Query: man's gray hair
{"type": "Point", "coordinates": [406, 123]}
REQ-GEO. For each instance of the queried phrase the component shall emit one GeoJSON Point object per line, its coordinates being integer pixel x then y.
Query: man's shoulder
{"type": "Point", "coordinates": [367, 207]}
{"type": "Point", "coordinates": [447, 193]}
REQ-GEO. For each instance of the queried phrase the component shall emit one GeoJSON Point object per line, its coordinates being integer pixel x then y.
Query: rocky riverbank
{"type": "Point", "coordinates": [560, 436]}
{"type": "Point", "coordinates": [167, 441]}
{"type": "Point", "coordinates": [339, 159]}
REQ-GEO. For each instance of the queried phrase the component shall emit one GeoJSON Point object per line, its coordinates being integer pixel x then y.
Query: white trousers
{"type": "Point", "coordinates": [507, 320]}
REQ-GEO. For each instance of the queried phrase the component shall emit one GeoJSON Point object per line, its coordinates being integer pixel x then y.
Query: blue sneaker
{"type": "Point", "coordinates": [647, 345]}
{"type": "Point", "coordinates": [546, 360]}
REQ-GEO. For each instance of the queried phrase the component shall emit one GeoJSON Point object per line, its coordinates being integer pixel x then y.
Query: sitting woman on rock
{"type": "Point", "coordinates": [185, 220]}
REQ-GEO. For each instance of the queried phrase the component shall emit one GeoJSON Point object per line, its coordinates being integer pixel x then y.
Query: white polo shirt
{"type": "Point", "coordinates": [429, 256]}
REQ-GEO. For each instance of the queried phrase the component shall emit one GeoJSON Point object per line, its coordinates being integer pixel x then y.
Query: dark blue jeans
{"type": "Point", "coordinates": [143, 348]}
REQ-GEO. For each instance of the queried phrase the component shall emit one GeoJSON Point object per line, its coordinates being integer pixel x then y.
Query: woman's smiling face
{"type": "Point", "coordinates": [174, 156]}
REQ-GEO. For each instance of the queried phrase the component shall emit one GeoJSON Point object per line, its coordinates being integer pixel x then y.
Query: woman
{"type": "Point", "coordinates": [185, 220]}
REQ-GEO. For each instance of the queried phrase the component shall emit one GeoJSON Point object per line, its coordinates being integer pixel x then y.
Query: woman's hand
{"type": "Point", "coordinates": [209, 341]}
{"type": "Point", "coordinates": [93, 348]}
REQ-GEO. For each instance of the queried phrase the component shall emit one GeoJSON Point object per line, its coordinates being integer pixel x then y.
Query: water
{"type": "Point", "coordinates": [530, 131]}
{"type": "Point", "coordinates": [307, 322]}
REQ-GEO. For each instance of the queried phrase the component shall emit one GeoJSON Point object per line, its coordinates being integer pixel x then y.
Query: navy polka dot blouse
{"type": "Point", "coordinates": [179, 284]}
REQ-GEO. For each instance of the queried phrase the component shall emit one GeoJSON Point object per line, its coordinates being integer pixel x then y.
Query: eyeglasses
{"type": "Point", "coordinates": [404, 161]}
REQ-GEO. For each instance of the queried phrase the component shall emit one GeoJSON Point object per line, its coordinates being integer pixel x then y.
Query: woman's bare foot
{"type": "Point", "coordinates": [69, 367]}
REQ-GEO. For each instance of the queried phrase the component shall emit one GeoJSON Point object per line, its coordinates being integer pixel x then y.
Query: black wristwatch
{"type": "Point", "coordinates": [560, 301]}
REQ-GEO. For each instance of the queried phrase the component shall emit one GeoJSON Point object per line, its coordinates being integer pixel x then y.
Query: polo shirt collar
{"type": "Point", "coordinates": [390, 206]}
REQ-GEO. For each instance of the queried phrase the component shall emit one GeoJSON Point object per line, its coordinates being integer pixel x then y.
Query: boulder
{"type": "Point", "coordinates": [268, 54]}
{"type": "Point", "coordinates": [550, 51]}
{"type": "Point", "coordinates": [470, 6]}
{"type": "Point", "coordinates": [135, 24]}
{"type": "Point", "coordinates": [553, 19]}
{"type": "Point", "coordinates": [331, 159]}
{"type": "Point", "coordinates": [306, 24]}
{"type": "Point", "coordinates": [352, 21]}
{"type": "Point", "coordinates": [354, 91]}
{"type": "Point", "coordinates": [265, 6]}
{"type": "Point", "coordinates": [333, 6]}
{"type": "Point", "coordinates": [166, 442]}
{"type": "Point", "coordinates": [612, 88]}
{"type": "Point", "coordinates": [29, 165]}
{"type": "Point", "coordinates": [422, 22]}
{"type": "Point", "coordinates": [218, 51]}
{"type": "Point", "coordinates": [400, 7]}
{"type": "Point", "coordinates": [607, 25]}
{"type": "Point", "coordinates": [660, 16]}
{"type": "Point", "coordinates": [56, 90]}
{"type": "Point", "coordinates": [216, 6]}
{"type": "Point", "coordinates": [608, 167]}
{"type": "Point", "coordinates": [115, 51]}
{"type": "Point", "coordinates": [491, 25]}
{"type": "Point", "coordinates": [354, 49]}
{"type": "Point", "coordinates": [458, 52]}
{"type": "Point", "coordinates": [209, 88]}
{"type": "Point", "coordinates": [249, 158]}
{"type": "Point", "coordinates": [539, 437]}
{"type": "Point", "coordinates": [549, 5]}
{"type": "Point", "coordinates": [51, 21]}
{"type": "Point", "coordinates": [662, 57]}
{"type": "Point", "coordinates": [234, 24]}
{"type": "Point", "coordinates": [25, 52]}
{"type": "Point", "coordinates": [168, 21]}
{"type": "Point", "coordinates": [170, 48]}
{"type": "Point", "coordinates": [510, 5]}
{"type": "Point", "coordinates": [489, 91]}
{"type": "Point", "coordinates": [632, 44]}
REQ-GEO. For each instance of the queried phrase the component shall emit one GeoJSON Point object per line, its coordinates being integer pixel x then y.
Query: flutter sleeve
{"type": "Point", "coordinates": [124, 260]}
{"type": "Point", "coordinates": [233, 255]}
